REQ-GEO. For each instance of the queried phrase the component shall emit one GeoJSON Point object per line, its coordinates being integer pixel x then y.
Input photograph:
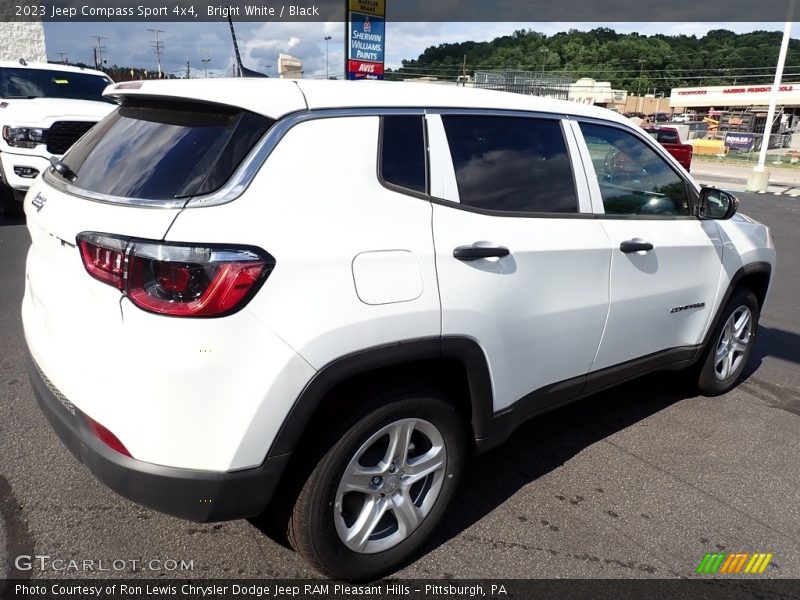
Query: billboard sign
{"type": "Point", "coordinates": [366, 39]}
{"type": "Point", "coordinates": [740, 141]}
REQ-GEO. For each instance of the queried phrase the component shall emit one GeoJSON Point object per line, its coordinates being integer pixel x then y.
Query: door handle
{"type": "Point", "coordinates": [469, 253]}
{"type": "Point", "coordinates": [635, 245]}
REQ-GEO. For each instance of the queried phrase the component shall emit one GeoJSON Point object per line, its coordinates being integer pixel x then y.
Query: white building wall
{"type": "Point", "coordinates": [22, 40]}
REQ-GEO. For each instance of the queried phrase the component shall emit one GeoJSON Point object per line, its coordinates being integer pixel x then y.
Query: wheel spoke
{"type": "Point", "coordinates": [741, 325]}
{"type": "Point", "coordinates": [408, 516]}
{"type": "Point", "coordinates": [726, 366]}
{"type": "Point", "coordinates": [399, 439]}
{"type": "Point", "coordinates": [371, 514]}
{"type": "Point", "coordinates": [722, 350]}
{"type": "Point", "coordinates": [728, 329]}
{"type": "Point", "coordinates": [739, 345]}
{"type": "Point", "coordinates": [420, 467]}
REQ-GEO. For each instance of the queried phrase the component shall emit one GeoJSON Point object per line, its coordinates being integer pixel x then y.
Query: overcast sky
{"type": "Point", "coordinates": [129, 44]}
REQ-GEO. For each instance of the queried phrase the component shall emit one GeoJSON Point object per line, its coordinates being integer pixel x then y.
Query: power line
{"type": "Point", "coordinates": [98, 50]}
{"type": "Point", "coordinates": [158, 47]}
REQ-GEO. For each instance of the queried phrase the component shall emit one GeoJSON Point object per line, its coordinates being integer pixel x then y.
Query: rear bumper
{"type": "Point", "coordinates": [199, 496]}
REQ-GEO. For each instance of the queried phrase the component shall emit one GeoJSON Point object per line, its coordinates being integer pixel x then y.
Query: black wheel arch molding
{"type": "Point", "coordinates": [760, 272]}
{"type": "Point", "coordinates": [463, 349]}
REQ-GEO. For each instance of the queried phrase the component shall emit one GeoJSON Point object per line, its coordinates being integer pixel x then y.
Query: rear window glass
{"type": "Point", "coordinates": [46, 83]}
{"type": "Point", "coordinates": [165, 150]}
{"type": "Point", "coordinates": [664, 137]}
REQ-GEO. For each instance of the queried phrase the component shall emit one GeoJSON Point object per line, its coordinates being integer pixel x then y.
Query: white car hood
{"type": "Point", "coordinates": [42, 111]}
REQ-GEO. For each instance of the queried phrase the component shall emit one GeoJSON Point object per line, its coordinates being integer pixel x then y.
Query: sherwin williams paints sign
{"type": "Point", "coordinates": [366, 38]}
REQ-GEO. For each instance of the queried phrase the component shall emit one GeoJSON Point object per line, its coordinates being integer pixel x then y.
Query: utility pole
{"type": "Point", "coordinates": [98, 55]}
{"type": "Point", "coordinates": [464, 72]}
{"type": "Point", "coordinates": [639, 86]}
{"type": "Point", "coordinates": [188, 70]}
{"type": "Point", "coordinates": [64, 57]}
{"type": "Point", "coordinates": [158, 47]}
{"type": "Point", "coordinates": [327, 68]}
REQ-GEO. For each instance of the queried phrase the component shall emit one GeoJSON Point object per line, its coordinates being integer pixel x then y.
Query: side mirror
{"type": "Point", "coordinates": [717, 204]}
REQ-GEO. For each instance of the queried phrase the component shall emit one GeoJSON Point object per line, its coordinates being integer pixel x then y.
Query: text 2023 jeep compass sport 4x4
{"type": "Point", "coordinates": [313, 300]}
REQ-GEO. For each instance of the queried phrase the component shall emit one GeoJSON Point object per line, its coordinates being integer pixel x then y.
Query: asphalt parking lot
{"type": "Point", "coordinates": [638, 482]}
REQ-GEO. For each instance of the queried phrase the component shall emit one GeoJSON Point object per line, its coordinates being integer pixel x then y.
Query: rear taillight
{"type": "Point", "coordinates": [177, 279]}
{"type": "Point", "coordinates": [103, 257]}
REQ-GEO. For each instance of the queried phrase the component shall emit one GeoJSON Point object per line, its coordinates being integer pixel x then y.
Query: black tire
{"type": "Point", "coordinates": [713, 378]}
{"type": "Point", "coordinates": [312, 527]}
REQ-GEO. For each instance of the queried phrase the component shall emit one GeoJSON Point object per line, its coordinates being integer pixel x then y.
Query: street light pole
{"type": "Point", "coordinates": [760, 178]}
{"type": "Point", "coordinates": [327, 69]}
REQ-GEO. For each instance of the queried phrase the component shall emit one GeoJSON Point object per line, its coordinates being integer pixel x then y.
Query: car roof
{"type": "Point", "coordinates": [278, 97]}
{"type": "Point", "coordinates": [15, 64]}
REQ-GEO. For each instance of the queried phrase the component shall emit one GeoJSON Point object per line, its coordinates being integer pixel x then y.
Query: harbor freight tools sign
{"type": "Point", "coordinates": [366, 38]}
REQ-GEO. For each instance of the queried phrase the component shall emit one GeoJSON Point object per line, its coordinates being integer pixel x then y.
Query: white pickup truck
{"type": "Point", "coordinates": [44, 109]}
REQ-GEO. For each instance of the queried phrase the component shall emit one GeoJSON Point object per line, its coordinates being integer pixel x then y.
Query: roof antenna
{"type": "Point", "coordinates": [22, 62]}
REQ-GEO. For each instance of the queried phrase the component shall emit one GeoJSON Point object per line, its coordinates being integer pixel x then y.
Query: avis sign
{"type": "Point", "coordinates": [366, 39]}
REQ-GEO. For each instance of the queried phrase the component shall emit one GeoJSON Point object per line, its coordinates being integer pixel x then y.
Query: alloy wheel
{"type": "Point", "coordinates": [390, 486]}
{"type": "Point", "coordinates": [733, 343]}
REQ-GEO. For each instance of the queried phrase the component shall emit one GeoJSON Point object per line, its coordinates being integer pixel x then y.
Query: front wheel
{"type": "Point", "coordinates": [380, 490]}
{"type": "Point", "coordinates": [731, 345]}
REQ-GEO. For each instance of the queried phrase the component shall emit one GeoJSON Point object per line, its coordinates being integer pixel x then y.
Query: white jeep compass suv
{"type": "Point", "coordinates": [312, 301]}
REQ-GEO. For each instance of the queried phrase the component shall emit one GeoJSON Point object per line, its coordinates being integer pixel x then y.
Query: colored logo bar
{"type": "Point", "coordinates": [734, 563]}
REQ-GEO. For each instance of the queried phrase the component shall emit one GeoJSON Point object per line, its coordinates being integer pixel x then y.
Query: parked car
{"type": "Point", "coordinates": [313, 301]}
{"type": "Point", "coordinates": [671, 140]}
{"type": "Point", "coordinates": [638, 115]}
{"type": "Point", "coordinates": [683, 118]}
{"type": "Point", "coordinates": [658, 117]}
{"type": "Point", "coordinates": [44, 109]}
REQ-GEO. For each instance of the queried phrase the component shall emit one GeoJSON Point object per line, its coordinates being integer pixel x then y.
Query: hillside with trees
{"type": "Point", "coordinates": [629, 61]}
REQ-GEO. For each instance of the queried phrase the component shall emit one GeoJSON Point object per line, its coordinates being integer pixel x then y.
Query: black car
{"type": "Point", "coordinates": [659, 117]}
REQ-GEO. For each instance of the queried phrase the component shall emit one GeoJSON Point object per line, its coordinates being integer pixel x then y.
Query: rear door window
{"type": "Point", "coordinates": [511, 164]}
{"type": "Point", "coordinates": [164, 150]}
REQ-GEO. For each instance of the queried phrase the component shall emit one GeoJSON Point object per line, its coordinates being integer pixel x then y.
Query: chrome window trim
{"type": "Point", "coordinates": [244, 174]}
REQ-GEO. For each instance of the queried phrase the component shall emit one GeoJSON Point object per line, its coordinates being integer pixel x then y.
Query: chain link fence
{"type": "Point", "coordinates": [529, 83]}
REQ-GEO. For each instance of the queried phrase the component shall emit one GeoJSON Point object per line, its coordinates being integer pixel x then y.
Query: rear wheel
{"type": "Point", "coordinates": [727, 355]}
{"type": "Point", "coordinates": [379, 491]}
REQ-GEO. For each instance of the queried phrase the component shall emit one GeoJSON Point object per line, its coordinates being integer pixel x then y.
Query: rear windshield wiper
{"type": "Point", "coordinates": [63, 170]}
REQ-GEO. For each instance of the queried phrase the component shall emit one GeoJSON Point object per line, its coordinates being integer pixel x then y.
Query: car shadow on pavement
{"type": "Point", "coordinates": [777, 343]}
{"type": "Point", "coordinates": [548, 441]}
